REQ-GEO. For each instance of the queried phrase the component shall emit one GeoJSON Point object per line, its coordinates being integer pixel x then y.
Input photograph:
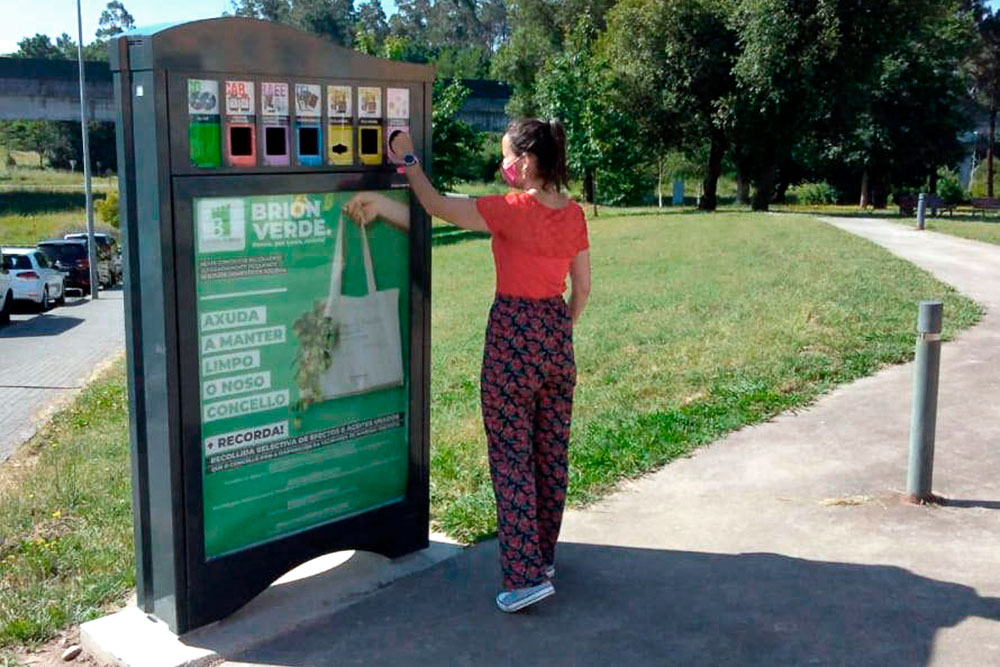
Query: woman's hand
{"type": "Point", "coordinates": [363, 208]}
{"type": "Point", "coordinates": [400, 142]}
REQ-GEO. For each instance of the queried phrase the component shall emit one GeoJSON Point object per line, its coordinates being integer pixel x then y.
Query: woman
{"type": "Point", "coordinates": [539, 236]}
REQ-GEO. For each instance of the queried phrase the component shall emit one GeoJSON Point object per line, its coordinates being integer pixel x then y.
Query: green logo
{"type": "Point", "coordinates": [221, 225]}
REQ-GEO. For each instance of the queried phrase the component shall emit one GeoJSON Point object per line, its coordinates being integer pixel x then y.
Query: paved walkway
{"type": "Point", "coordinates": [783, 544]}
{"type": "Point", "coordinates": [46, 358]}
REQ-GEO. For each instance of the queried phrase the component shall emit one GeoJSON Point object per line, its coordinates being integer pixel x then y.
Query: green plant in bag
{"type": "Point", "coordinates": [317, 334]}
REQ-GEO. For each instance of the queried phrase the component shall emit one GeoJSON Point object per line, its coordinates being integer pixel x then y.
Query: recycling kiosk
{"type": "Point", "coordinates": [277, 352]}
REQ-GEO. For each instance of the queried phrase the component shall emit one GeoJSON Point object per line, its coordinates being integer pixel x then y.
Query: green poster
{"type": "Point", "coordinates": [303, 367]}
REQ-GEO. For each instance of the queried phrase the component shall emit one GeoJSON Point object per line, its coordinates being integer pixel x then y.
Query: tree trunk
{"type": "Point", "coordinates": [880, 191]}
{"type": "Point", "coordinates": [989, 151]}
{"type": "Point", "coordinates": [765, 187]}
{"type": "Point", "coordinates": [932, 182]}
{"type": "Point", "coordinates": [742, 187]}
{"type": "Point", "coordinates": [709, 199]}
{"type": "Point", "coordinates": [659, 181]}
{"type": "Point", "coordinates": [595, 193]}
{"type": "Point", "coordinates": [588, 185]}
{"type": "Point", "coordinates": [866, 194]}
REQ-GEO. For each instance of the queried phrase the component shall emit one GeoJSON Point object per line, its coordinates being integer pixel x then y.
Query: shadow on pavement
{"type": "Point", "coordinates": [43, 325]}
{"type": "Point", "coordinates": [74, 302]}
{"type": "Point", "coordinates": [981, 504]}
{"type": "Point", "coordinates": [625, 606]}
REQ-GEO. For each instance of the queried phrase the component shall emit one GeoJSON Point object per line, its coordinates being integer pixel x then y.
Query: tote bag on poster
{"type": "Point", "coordinates": [368, 353]}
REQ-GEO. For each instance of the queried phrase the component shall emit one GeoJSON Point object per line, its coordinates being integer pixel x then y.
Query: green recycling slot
{"type": "Point", "coordinates": [278, 353]}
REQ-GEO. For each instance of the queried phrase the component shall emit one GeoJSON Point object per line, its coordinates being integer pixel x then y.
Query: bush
{"type": "Point", "coordinates": [949, 189]}
{"type": "Point", "coordinates": [107, 209]}
{"type": "Point", "coordinates": [814, 194]}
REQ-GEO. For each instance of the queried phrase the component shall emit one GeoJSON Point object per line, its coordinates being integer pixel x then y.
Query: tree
{"type": "Point", "coordinates": [66, 47]}
{"type": "Point", "coordinates": [577, 86]}
{"type": "Point", "coordinates": [459, 36]}
{"type": "Point", "coordinates": [37, 136]}
{"type": "Point", "coordinates": [398, 47]}
{"type": "Point", "coordinates": [332, 19]}
{"type": "Point", "coordinates": [675, 59]}
{"type": "Point", "coordinates": [785, 46]}
{"type": "Point", "coordinates": [411, 19]}
{"type": "Point", "coordinates": [267, 10]}
{"type": "Point", "coordinates": [900, 102]}
{"type": "Point", "coordinates": [983, 68]}
{"type": "Point", "coordinates": [371, 28]}
{"type": "Point", "coordinates": [456, 145]}
{"type": "Point", "coordinates": [470, 62]}
{"type": "Point", "coordinates": [539, 27]}
{"type": "Point", "coordinates": [38, 46]}
{"type": "Point", "coordinates": [114, 20]}
{"type": "Point", "coordinates": [494, 23]}
{"type": "Point", "coordinates": [67, 148]}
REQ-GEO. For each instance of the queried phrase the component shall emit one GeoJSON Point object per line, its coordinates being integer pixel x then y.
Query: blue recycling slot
{"type": "Point", "coordinates": [309, 144]}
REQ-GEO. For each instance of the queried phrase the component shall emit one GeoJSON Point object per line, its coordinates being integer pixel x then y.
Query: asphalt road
{"type": "Point", "coordinates": [45, 358]}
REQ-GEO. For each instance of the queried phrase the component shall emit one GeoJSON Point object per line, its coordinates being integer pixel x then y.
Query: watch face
{"type": "Point", "coordinates": [409, 159]}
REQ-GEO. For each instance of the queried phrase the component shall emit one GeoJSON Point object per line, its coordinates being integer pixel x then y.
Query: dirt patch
{"type": "Point", "coordinates": [51, 653]}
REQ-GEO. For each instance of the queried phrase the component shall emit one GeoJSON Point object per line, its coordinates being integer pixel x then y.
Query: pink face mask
{"type": "Point", "coordinates": [509, 173]}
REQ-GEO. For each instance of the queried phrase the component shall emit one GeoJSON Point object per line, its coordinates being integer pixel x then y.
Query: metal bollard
{"type": "Point", "coordinates": [921, 210]}
{"type": "Point", "coordinates": [925, 392]}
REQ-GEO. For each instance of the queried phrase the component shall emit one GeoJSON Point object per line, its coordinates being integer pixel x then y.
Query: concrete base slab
{"type": "Point", "coordinates": [131, 638]}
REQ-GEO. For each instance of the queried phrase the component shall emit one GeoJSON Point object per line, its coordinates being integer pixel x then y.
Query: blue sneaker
{"type": "Point", "coordinates": [510, 601]}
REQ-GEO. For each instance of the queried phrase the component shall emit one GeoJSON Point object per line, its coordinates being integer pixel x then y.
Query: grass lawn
{"type": "Point", "coordinates": [26, 217]}
{"type": "Point", "coordinates": [988, 232]}
{"type": "Point", "coordinates": [33, 177]}
{"type": "Point", "coordinates": [963, 223]}
{"type": "Point", "coordinates": [65, 518]}
{"type": "Point", "coordinates": [698, 324]}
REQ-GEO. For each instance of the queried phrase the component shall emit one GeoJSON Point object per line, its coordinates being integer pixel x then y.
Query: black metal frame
{"type": "Point", "coordinates": [175, 581]}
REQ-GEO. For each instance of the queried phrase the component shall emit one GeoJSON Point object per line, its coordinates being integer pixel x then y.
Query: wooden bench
{"type": "Point", "coordinates": [908, 205]}
{"type": "Point", "coordinates": [983, 205]}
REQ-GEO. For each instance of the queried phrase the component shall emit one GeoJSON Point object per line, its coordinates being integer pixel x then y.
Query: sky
{"type": "Point", "coordinates": [54, 17]}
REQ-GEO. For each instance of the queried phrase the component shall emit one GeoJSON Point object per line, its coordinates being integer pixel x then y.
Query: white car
{"type": "Point", "coordinates": [6, 291]}
{"type": "Point", "coordinates": [33, 278]}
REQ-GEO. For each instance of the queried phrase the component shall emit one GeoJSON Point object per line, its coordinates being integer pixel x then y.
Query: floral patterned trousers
{"type": "Point", "coordinates": [527, 398]}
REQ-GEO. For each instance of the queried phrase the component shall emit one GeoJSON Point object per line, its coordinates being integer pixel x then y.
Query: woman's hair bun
{"type": "Point", "coordinates": [546, 140]}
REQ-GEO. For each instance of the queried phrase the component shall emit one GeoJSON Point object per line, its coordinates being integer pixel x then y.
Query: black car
{"type": "Point", "coordinates": [70, 257]}
{"type": "Point", "coordinates": [109, 257]}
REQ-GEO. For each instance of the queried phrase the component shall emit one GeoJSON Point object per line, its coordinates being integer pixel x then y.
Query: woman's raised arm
{"type": "Point", "coordinates": [459, 212]}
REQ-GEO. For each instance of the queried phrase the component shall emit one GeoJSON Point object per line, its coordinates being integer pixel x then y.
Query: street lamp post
{"type": "Point", "coordinates": [91, 242]}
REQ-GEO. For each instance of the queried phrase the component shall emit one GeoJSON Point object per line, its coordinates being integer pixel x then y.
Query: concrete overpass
{"type": "Point", "coordinates": [33, 88]}
{"type": "Point", "coordinates": [41, 89]}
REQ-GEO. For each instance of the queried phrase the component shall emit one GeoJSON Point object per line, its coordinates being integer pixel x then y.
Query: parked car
{"type": "Point", "coordinates": [33, 278]}
{"type": "Point", "coordinates": [107, 250]}
{"type": "Point", "coordinates": [6, 291]}
{"type": "Point", "coordinates": [69, 256]}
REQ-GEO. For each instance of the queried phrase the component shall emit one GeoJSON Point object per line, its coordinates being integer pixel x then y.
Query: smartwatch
{"type": "Point", "coordinates": [408, 161]}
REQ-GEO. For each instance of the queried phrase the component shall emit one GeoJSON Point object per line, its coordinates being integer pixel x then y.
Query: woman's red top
{"type": "Point", "coordinates": [533, 245]}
